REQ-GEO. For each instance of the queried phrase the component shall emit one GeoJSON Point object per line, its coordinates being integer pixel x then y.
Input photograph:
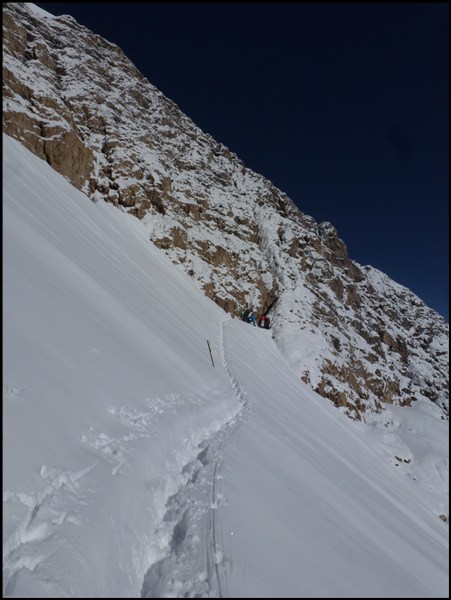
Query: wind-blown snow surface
{"type": "Point", "coordinates": [133, 467]}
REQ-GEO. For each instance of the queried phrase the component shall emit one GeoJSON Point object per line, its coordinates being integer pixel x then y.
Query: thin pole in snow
{"type": "Point", "coordinates": [211, 356]}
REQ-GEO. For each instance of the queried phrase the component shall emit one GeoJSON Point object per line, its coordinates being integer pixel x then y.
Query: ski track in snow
{"type": "Point", "coordinates": [192, 517]}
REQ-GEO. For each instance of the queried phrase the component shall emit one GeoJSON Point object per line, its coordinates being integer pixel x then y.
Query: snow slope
{"type": "Point", "coordinates": [108, 387]}
{"type": "Point", "coordinates": [133, 467]}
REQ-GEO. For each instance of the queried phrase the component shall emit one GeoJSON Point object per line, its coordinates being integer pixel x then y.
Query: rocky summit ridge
{"type": "Point", "coordinates": [76, 101]}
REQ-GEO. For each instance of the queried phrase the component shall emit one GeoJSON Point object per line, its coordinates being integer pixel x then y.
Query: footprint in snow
{"type": "Point", "coordinates": [9, 391]}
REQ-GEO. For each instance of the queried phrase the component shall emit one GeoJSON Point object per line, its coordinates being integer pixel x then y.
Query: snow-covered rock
{"type": "Point", "coordinates": [349, 331]}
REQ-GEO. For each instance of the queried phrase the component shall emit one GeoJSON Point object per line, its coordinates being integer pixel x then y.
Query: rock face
{"type": "Point", "coordinates": [76, 101]}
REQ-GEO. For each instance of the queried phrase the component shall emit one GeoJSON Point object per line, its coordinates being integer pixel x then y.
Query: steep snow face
{"type": "Point", "coordinates": [75, 100]}
{"type": "Point", "coordinates": [134, 468]}
{"type": "Point", "coordinates": [108, 388]}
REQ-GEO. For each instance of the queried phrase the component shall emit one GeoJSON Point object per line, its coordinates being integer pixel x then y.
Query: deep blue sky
{"type": "Point", "coordinates": [342, 106]}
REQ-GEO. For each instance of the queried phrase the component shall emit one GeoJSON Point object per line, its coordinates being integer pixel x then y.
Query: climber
{"type": "Point", "coordinates": [266, 322]}
{"type": "Point", "coordinates": [251, 317]}
{"type": "Point", "coordinates": [245, 315]}
{"type": "Point", "coordinates": [262, 320]}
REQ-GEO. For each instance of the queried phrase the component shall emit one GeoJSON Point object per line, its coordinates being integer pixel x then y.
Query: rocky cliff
{"type": "Point", "coordinates": [77, 102]}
